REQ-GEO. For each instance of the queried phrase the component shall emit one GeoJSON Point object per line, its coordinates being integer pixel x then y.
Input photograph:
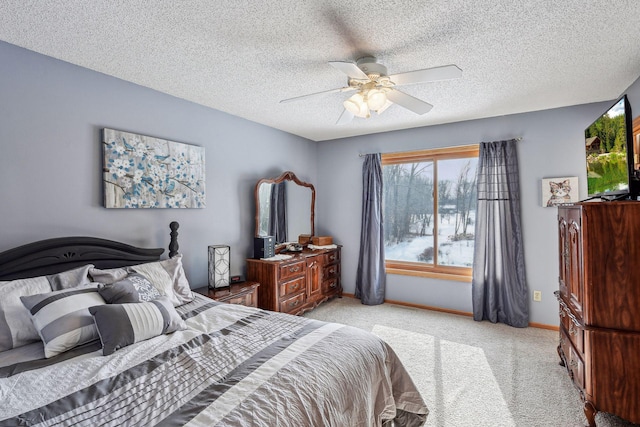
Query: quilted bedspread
{"type": "Point", "coordinates": [232, 366]}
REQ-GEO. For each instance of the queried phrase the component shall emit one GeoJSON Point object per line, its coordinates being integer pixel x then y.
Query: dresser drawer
{"type": "Point", "coordinates": [329, 285]}
{"type": "Point", "coordinates": [576, 334]}
{"type": "Point", "coordinates": [331, 257]}
{"type": "Point", "coordinates": [576, 367]}
{"type": "Point", "coordinates": [573, 360]}
{"type": "Point", "coordinates": [295, 269]}
{"type": "Point", "coordinates": [330, 271]}
{"type": "Point", "coordinates": [290, 305]}
{"type": "Point", "coordinates": [291, 287]}
{"type": "Point", "coordinates": [248, 299]}
{"type": "Point", "coordinates": [245, 293]}
{"type": "Point", "coordinates": [572, 327]}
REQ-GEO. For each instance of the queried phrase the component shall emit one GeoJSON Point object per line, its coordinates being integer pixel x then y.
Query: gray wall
{"type": "Point", "coordinates": [51, 114]}
{"type": "Point", "coordinates": [552, 146]}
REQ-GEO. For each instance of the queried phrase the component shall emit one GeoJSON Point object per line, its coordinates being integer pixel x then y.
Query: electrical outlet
{"type": "Point", "coordinates": [537, 295]}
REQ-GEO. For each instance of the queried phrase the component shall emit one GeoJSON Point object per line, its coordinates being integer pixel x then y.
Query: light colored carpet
{"type": "Point", "coordinates": [473, 373]}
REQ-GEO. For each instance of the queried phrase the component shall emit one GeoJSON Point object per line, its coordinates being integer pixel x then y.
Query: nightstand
{"type": "Point", "coordinates": [244, 293]}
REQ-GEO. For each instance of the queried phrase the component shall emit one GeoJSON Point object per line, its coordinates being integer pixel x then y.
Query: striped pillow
{"type": "Point", "coordinates": [16, 327]}
{"type": "Point", "coordinates": [62, 318]}
{"type": "Point", "coordinates": [120, 325]}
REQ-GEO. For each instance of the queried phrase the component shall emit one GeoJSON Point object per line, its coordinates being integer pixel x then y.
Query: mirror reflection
{"type": "Point", "coordinates": [284, 208]}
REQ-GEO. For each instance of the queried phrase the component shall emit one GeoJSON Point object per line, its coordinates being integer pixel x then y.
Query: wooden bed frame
{"type": "Point", "coordinates": [59, 254]}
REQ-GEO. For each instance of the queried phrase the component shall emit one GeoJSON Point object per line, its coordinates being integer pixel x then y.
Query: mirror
{"type": "Point", "coordinates": [285, 208]}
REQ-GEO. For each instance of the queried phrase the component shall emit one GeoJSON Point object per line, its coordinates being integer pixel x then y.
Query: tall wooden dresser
{"type": "Point", "coordinates": [599, 299]}
{"type": "Point", "coordinates": [297, 284]}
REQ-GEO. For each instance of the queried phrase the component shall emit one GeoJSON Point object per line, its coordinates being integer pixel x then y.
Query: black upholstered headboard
{"type": "Point", "coordinates": [52, 256]}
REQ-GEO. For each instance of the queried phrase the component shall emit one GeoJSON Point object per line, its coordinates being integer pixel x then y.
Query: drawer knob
{"type": "Point", "coordinates": [332, 271]}
{"type": "Point", "coordinates": [333, 284]}
{"type": "Point", "coordinates": [294, 269]}
{"type": "Point", "coordinates": [332, 257]}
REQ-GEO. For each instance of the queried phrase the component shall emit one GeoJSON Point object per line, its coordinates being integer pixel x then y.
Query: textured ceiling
{"type": "Point", "coordinates": [244, 56]}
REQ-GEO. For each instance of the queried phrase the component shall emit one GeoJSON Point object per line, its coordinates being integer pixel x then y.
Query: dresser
{"type": "Point", "coordinates": [297, 284]}
{"type": "Point", "coordinates": [599, 299]}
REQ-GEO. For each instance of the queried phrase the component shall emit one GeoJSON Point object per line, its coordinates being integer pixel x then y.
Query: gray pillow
{"type": "Point", "coordinates": [70, 278]}
{"type": "Point", "coordinates": [107, 276]}
{"type": "Point", "coordinates": [167, 277]}
{"type": "Point", "coordinates": [122, 292]}
{"type": "Point", "coordinates": [133, 288]}
{"type": "Point", "coordinates": [120, 325]}
{"type": "Point", "coordinates": [146, 290]}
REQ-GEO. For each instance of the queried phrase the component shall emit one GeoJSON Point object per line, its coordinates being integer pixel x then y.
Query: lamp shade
{"type": "Point", "coordinates": [357, 106]}
{"type": "Point", "coordinates": [219, 266]}
{"type": "Point", "coordinates": [376, 99]}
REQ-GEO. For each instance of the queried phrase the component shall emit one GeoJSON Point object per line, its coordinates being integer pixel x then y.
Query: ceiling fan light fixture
{"type": "Point", "coordinates": [357, 106]}
{"type": "Point", "coordinates": [376, 99]}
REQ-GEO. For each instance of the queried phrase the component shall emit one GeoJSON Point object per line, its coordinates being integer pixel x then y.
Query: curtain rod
{"type": "Point", "coordinates": [518, 139]}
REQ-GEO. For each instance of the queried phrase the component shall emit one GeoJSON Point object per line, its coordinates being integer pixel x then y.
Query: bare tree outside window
{"type": "Point", "coordinates": [429, 211]}
{"type": "Point", "coordinates": [457, 211]}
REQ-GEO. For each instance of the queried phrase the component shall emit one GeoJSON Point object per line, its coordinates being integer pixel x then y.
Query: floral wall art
{"type": "Point", "coordinates": [145, 172]}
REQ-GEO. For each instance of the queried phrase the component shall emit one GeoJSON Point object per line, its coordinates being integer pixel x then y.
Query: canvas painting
{"type": "Point", "coordinates": [146, 172]}
{"type": "Point", "coordinates": [558, 191]}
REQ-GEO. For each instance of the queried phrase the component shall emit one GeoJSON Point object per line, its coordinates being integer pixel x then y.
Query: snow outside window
{"type": "Point", "coordinates": [429, 212]}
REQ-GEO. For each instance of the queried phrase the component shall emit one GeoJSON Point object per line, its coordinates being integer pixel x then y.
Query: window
{"type": "Point", "coordinates": [429, 212]}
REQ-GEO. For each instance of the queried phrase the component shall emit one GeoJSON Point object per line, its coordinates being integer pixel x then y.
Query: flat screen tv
{"type": "Point", "coordinates": [611, 168]}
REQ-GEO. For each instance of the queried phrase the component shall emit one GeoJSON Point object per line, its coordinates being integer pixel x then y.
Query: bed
{"type": "Point", "coordinates": [211, 364]}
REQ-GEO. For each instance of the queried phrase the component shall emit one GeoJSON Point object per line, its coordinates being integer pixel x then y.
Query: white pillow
{"type": "Point", "coordinates": [62, 318]}
{"type": "Point", "coordinates": [169, 278]}
{"type": "Point", "coordinates": [16, 328]}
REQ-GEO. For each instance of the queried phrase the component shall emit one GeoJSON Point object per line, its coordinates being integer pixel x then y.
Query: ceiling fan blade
{"type": "Point", "coordinates": [427, 75]}
{"type": "Point", "coordinates": [384, 107]}
{"type": "Point", "coordinates": [345, 117]}
{"type": "Point", "coordinates": [297, 98]}
{"type": "Point", "coordinates": [350, 69]}
{"type": "Point", "coordinates": [409, 102]}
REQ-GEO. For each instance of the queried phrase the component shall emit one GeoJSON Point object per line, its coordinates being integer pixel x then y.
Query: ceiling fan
{"type": "Point", "coordinates": [376, 90]}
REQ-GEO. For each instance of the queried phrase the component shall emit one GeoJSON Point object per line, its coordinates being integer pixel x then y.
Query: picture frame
{"type": "Point", "coordinates": [141, 171]}
{"type": "Point", "coordinates": [559, 191]}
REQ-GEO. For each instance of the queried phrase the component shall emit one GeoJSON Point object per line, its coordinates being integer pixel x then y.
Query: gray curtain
{"type": "Point", "coordinates": [278, 212]}
{"type": "Point", "coordinates": [371, 276]}
{"type": "Point", "coordinates": [499, 287]}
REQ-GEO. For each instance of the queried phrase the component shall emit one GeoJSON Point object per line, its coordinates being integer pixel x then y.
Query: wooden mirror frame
{"type": "Point", "coordinates": [286, 176]}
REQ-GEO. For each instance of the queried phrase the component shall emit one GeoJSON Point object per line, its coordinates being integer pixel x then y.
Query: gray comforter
{"type": "Point", "coordinates": [233, 366]}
